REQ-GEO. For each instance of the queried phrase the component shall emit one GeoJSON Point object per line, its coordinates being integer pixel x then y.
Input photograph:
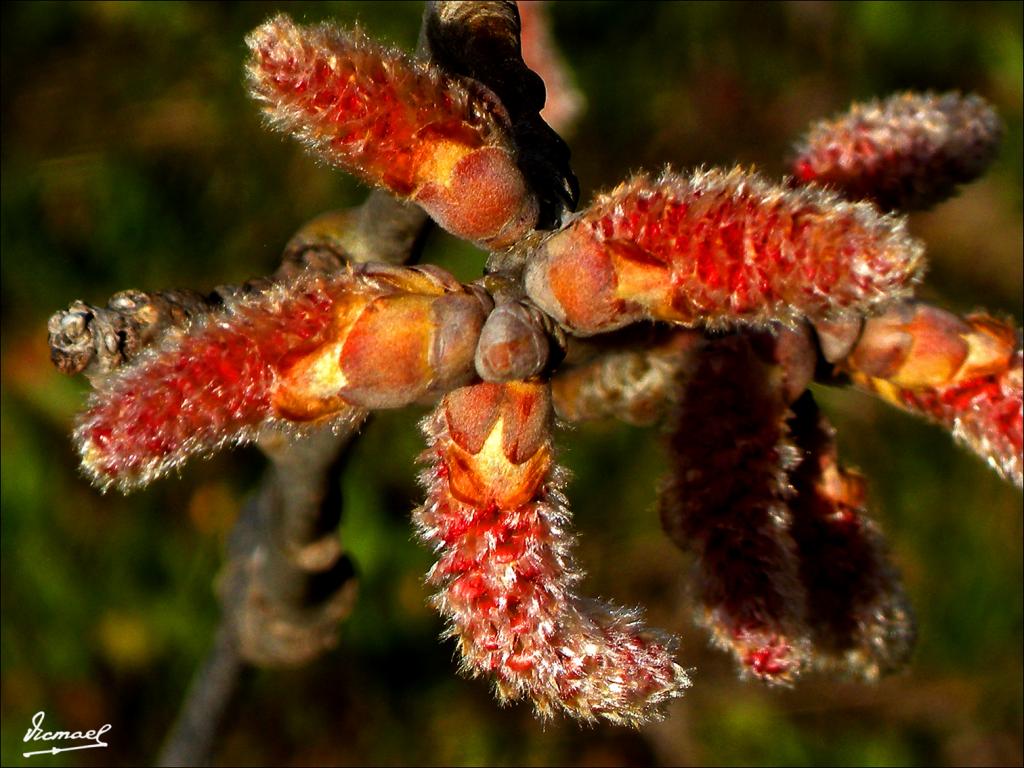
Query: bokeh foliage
{"type": "Point", "coordinates": [131, 157]}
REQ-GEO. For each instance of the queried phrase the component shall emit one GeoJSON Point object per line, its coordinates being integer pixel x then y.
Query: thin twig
{"type": "Point", "coordinates": [212, 690]}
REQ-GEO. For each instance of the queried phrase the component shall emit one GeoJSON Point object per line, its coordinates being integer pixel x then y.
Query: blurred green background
{"type": "Point", "coordinates": [131, 157]}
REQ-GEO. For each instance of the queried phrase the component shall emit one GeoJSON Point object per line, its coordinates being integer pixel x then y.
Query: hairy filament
{"type": "Point", "coordinates": [496, 515]}
{"type": "Point", "coordinates": [720, 248]}
{"type": "Point", "coordinates": [907, 152]}
{"type": "Point", "coordinates": [315, 347]}
{"type": "Point", "coordinates": [963, 373]}
{"type": "Point", "coordinates": [396, 123]}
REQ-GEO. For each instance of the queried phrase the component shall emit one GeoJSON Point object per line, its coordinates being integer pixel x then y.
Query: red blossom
{"type": "Point", "coordinates": [790, 572]}
{"type": "Point", "coordinates": [719, 248]}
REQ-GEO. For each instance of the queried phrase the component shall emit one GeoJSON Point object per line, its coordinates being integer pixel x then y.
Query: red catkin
{"type": "Point", "coordinates": [718, 248]}
{"type": "Point", "coordinates": [907, 152]}
{"type": "Point", "coordinates": [315, 347]}
{"type": "Point", "coordinates": [790, 571]}
{"type": "Point", "coordinates": [984, 413]}
{"type": "Point", "coordinates": [498, 520]}
{"type": "Point", "coordinates": [396, 123]}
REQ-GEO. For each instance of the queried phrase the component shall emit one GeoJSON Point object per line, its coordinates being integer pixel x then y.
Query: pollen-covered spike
{"type": "Point", "coordinates": [637, 386]}
{"type": "Point", "coordinates": [907, 152]}
{"type": "Point", "coordinates": [497, 517]}
{"type": "Point", "coordinates": [963, 373]}
{"type": "Point", "coordinates": [316, 347]}
{"type": "Point", "coordinates": [726, 499]}
{"type": "Point", "coordinates": [396, 123]}
{"type": "Point", "coordinates": [856, 605]}
{"type": "Point", "coordinates": [720, 248]}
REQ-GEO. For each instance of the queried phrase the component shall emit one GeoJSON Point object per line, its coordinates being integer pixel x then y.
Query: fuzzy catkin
{"type": "Point", "coordinates": [496, 516]}
{"type": "Point", "coordinates": [725, 500]}
{"type": "Point", "coordinates": [907, 152]}
{"type": "Point", "coordinates": [638, 386]}
{"type": "Point", "coordinates": [718, 248]}
{"type": "Point", "coordinates": [985, 413]}
{"type": "Point", "coordinates": [311, 348]}
{"type": "Point", "coordinates": [396, 123]}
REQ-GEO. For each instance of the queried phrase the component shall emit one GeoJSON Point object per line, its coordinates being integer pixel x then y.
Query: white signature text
{"type": "Point", "coordinates": [36, 733]}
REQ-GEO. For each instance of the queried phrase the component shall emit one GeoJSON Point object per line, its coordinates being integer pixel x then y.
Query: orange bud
{"type": "Point", "coordinates": [964, 373]}
{"type": "Point", "coordinates": [513, 344]}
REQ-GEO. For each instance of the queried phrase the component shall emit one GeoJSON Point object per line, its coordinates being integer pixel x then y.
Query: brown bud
{"type": "Point", "coordinates": [513, 344]}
